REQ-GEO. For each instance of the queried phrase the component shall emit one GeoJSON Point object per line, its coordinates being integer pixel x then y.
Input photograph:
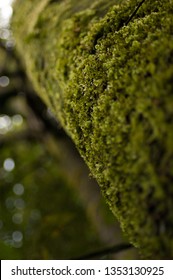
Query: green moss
{"type": "Point", "coordinates": [111, 86]}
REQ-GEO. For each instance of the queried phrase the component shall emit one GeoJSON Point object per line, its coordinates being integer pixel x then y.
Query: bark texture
{"type": "Point", "coordinates": [105, 68]}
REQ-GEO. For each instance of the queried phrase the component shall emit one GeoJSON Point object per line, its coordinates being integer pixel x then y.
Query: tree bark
{"type": "Point", "coordinates": [105, 70]}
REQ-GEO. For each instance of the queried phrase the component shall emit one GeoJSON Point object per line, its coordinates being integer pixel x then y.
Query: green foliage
{"type": "Point", "coordinates": [112, 90]}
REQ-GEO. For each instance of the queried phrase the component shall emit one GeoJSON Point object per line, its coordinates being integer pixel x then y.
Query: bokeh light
{"type": "Point", "coordinates": [5, 11]}
{"type": "Point", "coordinates": [9, 164]}
{"type": "Point", "coordinates": [5, 124]}
{"type": "Point", "coordinates": [17, 218]}
{"type": "Point", "coordinates": [17, 236]}
{"type": "Point", "coordinates": [17, 120]}
{"type": "Point", "coordinates": [4, 81]}
{"type": "Point", "coordinates": [18, 189]}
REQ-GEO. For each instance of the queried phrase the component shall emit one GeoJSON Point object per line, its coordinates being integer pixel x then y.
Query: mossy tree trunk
{"type": "Point", "coordinates": [105, 70]}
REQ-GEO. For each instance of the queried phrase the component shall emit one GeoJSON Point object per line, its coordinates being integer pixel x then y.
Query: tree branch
{"type": "Point", "coordinates": [111, 250]}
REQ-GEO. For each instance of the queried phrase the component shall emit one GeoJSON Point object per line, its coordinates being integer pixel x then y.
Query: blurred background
{"type": "Point", "coordinates": [50, 206]}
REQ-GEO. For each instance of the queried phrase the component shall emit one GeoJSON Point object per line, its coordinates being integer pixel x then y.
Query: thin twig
{"type": "Point", "coordinates": [134, 13]}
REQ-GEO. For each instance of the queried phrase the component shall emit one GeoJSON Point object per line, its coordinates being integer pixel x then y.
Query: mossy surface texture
{"type": "Point", "coordinates": [108, 80]}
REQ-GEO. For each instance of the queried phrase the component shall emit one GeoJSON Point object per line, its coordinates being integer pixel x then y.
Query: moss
{"type": "Point", "coordinates": [110, 84]}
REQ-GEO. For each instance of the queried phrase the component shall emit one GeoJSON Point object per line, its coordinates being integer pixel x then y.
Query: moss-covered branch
{"type": "Point", "coordinates": [110, 85]}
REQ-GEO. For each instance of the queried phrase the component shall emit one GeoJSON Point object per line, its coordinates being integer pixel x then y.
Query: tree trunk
{"type": "Point", "coordinates": [105, 71]}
